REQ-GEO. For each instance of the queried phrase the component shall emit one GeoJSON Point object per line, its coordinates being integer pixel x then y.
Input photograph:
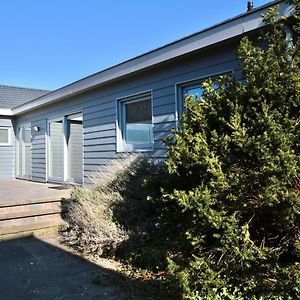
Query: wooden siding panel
{"type": "Point", "coordinates": [7, 153]}
{"type": "Point", "coordinates": [38, 151]}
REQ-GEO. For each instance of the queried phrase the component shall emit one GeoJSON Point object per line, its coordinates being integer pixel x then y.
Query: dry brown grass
{"type": "Point", "coordinates": [92, 230]}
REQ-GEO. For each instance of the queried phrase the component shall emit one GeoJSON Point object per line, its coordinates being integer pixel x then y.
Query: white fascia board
{"type": "Point", "coordinates": [5, 112]}
{"type": "Point", "coordinates": [229, 29]}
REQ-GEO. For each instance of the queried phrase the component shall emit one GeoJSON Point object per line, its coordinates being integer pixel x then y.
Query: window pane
{"type": "Point", "coordinates": [138, 118]}
{"type": "Point", "coordinates": [4, 135]}
{"type": "Point", "coordinates": [195, 92]}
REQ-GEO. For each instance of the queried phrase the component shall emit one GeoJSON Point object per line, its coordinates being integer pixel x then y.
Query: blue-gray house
{"type": "Point", "coordinates": [67, 134]}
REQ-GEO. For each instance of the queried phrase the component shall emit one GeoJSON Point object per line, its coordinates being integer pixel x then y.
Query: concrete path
{"type": "Point", "coordinates": [32, 268]}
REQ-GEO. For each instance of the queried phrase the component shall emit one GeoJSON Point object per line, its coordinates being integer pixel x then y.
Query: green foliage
{"type": "Point", "coordinates": [233, 185]}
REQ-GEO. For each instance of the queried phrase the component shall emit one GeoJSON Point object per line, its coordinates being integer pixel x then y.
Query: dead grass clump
{"type": "Point", "coordinates": [93, 229]}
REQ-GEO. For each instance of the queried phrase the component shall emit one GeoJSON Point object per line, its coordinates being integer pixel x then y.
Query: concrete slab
{"type": "Point", "coordinates": [22, 191]}
{"type": "Point", "coordinates": [33, 268]}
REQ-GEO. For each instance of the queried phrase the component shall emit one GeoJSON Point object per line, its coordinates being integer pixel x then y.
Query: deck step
{"type": "Point", "coordinates": [28, 217]}
{"type": "Point", "coordinates": [30, 223]}
{"type": "Point", "coordinates": [11, 203]}
{"type": "Point", "coordinates": [37, 232]}
{"type": "Point", "coordinates": [30, 210]}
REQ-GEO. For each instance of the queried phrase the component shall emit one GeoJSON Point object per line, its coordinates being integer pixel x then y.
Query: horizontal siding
{"type": "Point", "coordinates": [100, 134]}
{"type": "Point", "coordinates": [100, 141]}
{"type": "Point", "coordinates": [99, 108]}
{"type": "Point", "coordinates": [98, 154]}
{"type": "Point", "coordinates": [38, 171]}
{"type": "Point", "coordinates": [164, 126]}
{"type": "Point", "coordinates": [7, 153]}
{"type": "Point", "coordinates": [99, 148]}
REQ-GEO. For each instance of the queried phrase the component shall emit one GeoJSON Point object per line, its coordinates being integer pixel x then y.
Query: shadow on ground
{"type": "Point", "coordinates": [31, 268]}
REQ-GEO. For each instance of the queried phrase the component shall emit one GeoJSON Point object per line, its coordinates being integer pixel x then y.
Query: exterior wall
{"type": "Point", "coordinates": [7, 153]}
{"type": "Point", "coordinates": [99, 107]}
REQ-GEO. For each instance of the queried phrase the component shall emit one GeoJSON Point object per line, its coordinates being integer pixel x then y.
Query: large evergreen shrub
{"type": "Point", "coordinates": [235, 167]}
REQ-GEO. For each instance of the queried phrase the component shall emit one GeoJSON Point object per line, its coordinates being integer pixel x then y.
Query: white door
{"type": "Point", "coordinates": [65, 150]}
{"type": "Point", "coordinates": [74, 144]}
{"type": "Point", "coordinates": [56, 150]}
{"type": "Point", "coordinates": [24, 152]}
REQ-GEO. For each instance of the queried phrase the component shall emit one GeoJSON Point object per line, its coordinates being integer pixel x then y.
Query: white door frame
{"type": "Point", "coordinates": [21, 164]}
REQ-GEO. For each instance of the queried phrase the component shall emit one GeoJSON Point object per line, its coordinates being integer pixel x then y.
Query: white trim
{"type": "Point", "coordinates": [65, 152]}
{"type": "Point", "coordinates": [18, 153]}
{"type": "Point", "coordinates": [120, 122]}
{"type": "Point", "coordinates": [46, 150]}
{"type": "Point", "coordinates": [21, 166]}
{"type": "Point", "coordinates": [5, 112]}
{"type": "Point", "coordinates": [9, 139]}
{"type": "Point", "coordinates": [226, 30]}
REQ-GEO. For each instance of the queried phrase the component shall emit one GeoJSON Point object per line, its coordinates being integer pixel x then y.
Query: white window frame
{"type": "Point", "coordinates": [9, 136]}
{"type": "Point", "coordinates": [122, 146]}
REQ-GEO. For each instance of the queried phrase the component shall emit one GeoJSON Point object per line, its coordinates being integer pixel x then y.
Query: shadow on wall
{"type": "Point", "coordinates": [31, 268]}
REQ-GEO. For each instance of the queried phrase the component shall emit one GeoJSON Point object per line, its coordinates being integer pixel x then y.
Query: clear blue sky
{"type": "Point", "coordinates": [50, 43]}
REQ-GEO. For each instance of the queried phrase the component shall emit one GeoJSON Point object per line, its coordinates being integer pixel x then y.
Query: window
{"type": "Point", "coordinates": [194, 88]}
{"type": "Point", "coordinates": [135, 123]}
{"type": "Point", "coordinates": [5, 136]}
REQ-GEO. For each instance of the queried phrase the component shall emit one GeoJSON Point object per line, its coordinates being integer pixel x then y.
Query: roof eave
{"type": "Point", "coordinates": [5, 112]}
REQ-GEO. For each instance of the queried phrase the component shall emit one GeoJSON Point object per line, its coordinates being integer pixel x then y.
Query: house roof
{"type": "Point", "coordinates": [12, 96]}
{"type": "Point", "coordinates": [231, 28]}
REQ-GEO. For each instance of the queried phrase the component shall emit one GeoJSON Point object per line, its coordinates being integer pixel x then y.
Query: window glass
{"type": "Point", "coordinates": [138, 122]}
{"type": "Point", "coordinates": [135, 123]}
{"type": "Point", "coordinates": [196, 91]}
{"type": "Point", "coordinates": [4, 135]}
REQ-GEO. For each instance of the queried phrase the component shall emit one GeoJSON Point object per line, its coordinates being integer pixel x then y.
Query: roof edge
{"type": "Point", "coordinates": [24, 88]}
{"type": "Point", "coordinates": [241, 24]}
{"type": "Point", "coordinates": [5, 112]}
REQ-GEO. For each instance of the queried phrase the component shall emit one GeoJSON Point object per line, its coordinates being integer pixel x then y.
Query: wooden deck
{"type": "Point", "coordinates": [20, 191]}
{"type": "Point", "coordinates": [28, 207]}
